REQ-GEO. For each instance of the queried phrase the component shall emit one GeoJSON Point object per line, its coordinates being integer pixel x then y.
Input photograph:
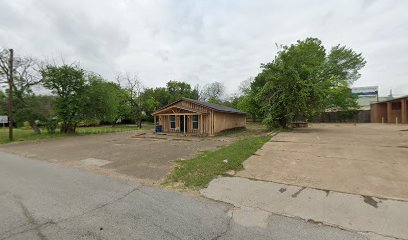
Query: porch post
{"type": "Point", "coordinates": [201, 124]}
{"type": "Point", "coordinates": [184, 124]}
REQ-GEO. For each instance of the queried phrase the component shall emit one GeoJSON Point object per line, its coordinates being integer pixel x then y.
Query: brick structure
{"type": "Point", "coordinates": [390, 111]}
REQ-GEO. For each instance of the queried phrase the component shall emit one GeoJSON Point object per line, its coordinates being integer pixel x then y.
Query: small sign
{"type": "Point", "coordinates": [365, 91]}
{"type": "Point", "coordinates": [3, 119]}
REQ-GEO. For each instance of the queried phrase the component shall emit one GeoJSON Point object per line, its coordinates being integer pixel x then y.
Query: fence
{"type": "Point", "coordinates": [361, 116]}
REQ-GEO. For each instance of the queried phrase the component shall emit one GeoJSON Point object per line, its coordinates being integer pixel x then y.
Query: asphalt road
{"type": "Point", "coordinates": [41, 200]}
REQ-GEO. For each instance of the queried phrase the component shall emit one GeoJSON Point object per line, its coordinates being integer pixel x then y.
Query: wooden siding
{"type": "Point", "coordinates": [210, 122]}
{"type": "Point", "coordinates": [223, 121]}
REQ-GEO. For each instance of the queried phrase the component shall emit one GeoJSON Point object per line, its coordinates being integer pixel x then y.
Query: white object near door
{"type": "Point", "coordinates": [3, 119]}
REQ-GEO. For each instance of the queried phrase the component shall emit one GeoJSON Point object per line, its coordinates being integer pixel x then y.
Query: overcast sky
{"type": "Point", "coordinates": [205, 41]}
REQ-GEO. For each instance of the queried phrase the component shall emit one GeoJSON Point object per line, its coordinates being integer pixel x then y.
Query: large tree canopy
{"type": "Point", "coordinates": [103, 100]}
{"type": "Point", "coordinates": [69, 84]}
{"type": "Point", "coordinates": [304, 80]}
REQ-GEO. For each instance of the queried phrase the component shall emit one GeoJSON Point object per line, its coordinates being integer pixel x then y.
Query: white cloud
{"type": "Point", "coordinates": [205, 41]}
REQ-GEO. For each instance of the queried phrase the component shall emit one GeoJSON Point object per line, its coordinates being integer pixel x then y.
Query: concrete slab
{"type": "Point", "coordinates": [94, 162]}
{"type": "Point", "coordinates": [366, 159]}
{"type": "Point", "coordinates": [381, 218]}
{"type": "Point", "coordinates": [124, 155]}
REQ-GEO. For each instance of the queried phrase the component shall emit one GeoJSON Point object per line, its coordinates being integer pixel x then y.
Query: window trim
{"type": "Point", "coordinates": [170, 121]}
{"type": "Point", "coordinates": [198, 122]}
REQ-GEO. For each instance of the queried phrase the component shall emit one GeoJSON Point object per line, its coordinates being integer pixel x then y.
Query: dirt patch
{"type": "Point", "coordinates": [364, 159]}
{"type": "Point", "coordinates": [129, 155]}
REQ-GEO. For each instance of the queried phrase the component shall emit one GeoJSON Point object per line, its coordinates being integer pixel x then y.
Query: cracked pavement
{"type": "Point", "coordinates": [42, 200]}
{"type": "Point", "coordinates": [371, 217]}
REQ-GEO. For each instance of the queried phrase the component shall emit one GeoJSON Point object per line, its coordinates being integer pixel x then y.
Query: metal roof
{"type": "Point", "coordinates": [213, 106]}
{"type": "Point", "coordinates": [390, 100]}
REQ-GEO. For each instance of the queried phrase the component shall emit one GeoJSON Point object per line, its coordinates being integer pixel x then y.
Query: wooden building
{"type": "Point", "coordinates": [191, 116]}
{"type": "Point", "coordinates": [390, 111]}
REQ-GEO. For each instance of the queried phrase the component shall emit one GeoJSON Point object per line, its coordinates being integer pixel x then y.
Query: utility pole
{"type": "Point", "coordinates": [10, 96]}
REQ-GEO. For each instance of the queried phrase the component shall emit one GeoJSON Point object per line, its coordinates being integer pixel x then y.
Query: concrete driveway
{"type": "Point", "coordinates": [350, 176]}
{"type": "Point", "coordinates": [126, 155]}
{"type": "Point", "coordinates": [364, 159]}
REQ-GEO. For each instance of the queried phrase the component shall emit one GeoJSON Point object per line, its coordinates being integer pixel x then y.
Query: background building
{"type": "Point", "coordinates": [390, 111]}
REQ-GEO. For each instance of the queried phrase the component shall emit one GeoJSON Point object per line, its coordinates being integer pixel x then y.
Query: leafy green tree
{"type": "Point", "coordinates": [303, 81]}
{"type": "Point", "coordinates": [133, 101]}
{"type": "Point", "coordinates": [34, 109]}
{"type": "Point", "coordinates": [68, 82]}
{"type": "Point", "coordinates": [179, 90]}
{"type": "Point", "coordinates": [155, 98]}
{"type": "Point", "coordinates": [342, 67]}
{"type": "Point", "coordinates": [3, 103]}
{"type": "Point", "coordinates": [248, 103]}
{"type": "Point", "coordinates": [103, 100]}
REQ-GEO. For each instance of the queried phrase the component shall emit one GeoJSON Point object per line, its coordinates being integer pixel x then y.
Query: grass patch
{"type": "Point", "coordinates": [27, 134]}
{"type": "Point", "coordinates": [252, 129]}
{"type": "Point", "coordinates": [198, 172]}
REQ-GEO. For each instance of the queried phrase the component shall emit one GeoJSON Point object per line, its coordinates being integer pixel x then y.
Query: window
{"type": "Point", "coordinates": [195, 121]}
{"type": "Point", "coordinates": [172, 121]}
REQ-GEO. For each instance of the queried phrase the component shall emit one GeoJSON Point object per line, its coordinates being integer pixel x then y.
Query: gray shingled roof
{"type": "Point", "coordinates": [213, 106]}
{"type": "Point", "coordinates": [216, 107]}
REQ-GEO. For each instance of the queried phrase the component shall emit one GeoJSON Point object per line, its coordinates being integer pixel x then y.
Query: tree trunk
{"type": "Point", "coordinates": [140, 123]}
{"type": "Point", "coordinates": [35, 127]}
{"type": "Point", "coordinates": [63, 127]}
{"type": "Point", "coordinates": [68, 128]}
{"type": "Point", "coordinates": [283, 122]}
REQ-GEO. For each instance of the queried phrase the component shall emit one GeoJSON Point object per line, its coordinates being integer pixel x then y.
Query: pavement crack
{"type": "Point", "coordinates": [108, 203]}
{"type": "Point", "coordinates": [379, 234]}
{"type": "Point", "coordinates": [166, 231]}
{"type": "Point", "coordinates": [31, 221]}
{"type": "Point", "coordinates": [228, 228]}
{"type": "Point", "coordinates": [310, 221]}
{"type": "Point", "coordinates": [100, 206]}
{"type": "Point", "coordinates": [37, 226]}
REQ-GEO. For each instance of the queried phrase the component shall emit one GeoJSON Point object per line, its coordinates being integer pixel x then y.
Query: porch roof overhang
{"type": "Point", "coordinates": [171, 110]}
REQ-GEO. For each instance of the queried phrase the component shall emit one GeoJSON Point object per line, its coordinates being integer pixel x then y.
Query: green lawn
{"type": "Point", "coordinates": [198, 172]}
{"type": "Point", "coordinates": [27, 134]}
{"type": "Point", "coordinates": [252, 129]}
